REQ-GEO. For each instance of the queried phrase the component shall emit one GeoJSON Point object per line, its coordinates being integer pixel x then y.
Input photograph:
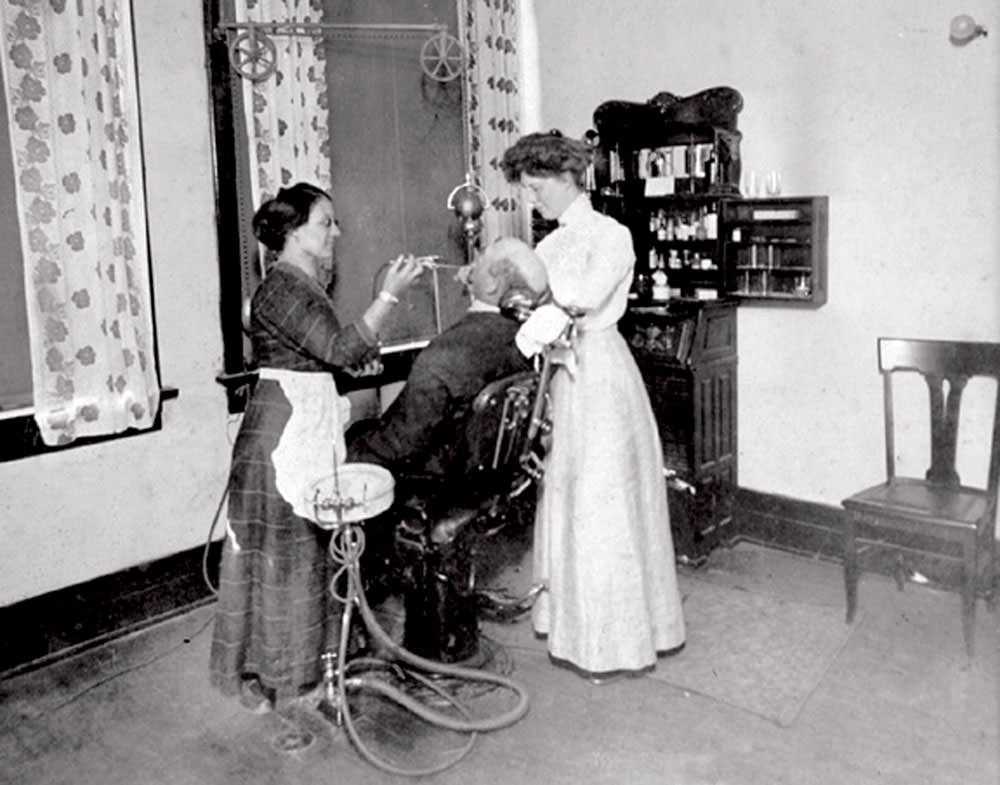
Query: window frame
{"type": "Point", "coordinates": [20, 436]}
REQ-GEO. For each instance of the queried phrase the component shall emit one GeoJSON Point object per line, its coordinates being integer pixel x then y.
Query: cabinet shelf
{"type": "Point", "coordinates": [782, 241]}
{"type": "Point", "coordinates": [694, 245]}
{"type": "Point", "coordinates": [772, 295]}
{"type": "Point", "coordinates": [785, 269]}
{"type": "Point", "coordinates": [687, 199]}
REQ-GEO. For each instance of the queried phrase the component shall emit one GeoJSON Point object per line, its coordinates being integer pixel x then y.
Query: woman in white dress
{"type": "Point", "coordinates": [602, 547]}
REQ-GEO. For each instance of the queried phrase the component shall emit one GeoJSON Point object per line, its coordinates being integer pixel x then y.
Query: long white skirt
{"type": "Point", "coordinates": [603, 545]}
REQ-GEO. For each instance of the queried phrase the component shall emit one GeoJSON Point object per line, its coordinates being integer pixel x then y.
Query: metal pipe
{"type": "Point", "coordinates": [275, 27]}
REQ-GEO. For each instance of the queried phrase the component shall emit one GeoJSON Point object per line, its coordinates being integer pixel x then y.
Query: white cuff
{"type": "Point", "coordinates": [545, 325]}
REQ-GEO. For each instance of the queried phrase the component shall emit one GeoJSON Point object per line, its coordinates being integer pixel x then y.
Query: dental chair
{"type": "Point", "coordinates": [452, 536]}
{"type": "Point", "coordinates": [447, 541]}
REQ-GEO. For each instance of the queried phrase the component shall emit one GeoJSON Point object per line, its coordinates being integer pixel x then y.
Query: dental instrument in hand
{"type": "Point", "coordinates": [435, 263]}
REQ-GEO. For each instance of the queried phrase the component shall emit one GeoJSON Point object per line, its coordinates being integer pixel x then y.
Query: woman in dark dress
{"type": "Point", "coordinates": [275, 615]}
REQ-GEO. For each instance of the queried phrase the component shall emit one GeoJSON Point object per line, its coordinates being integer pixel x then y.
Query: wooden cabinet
{"type": "Point", "coordinates": [662, 168]}
{"type": "Point", "coordinates": [669, 169]}
{"type": "Point", "coordinates": [686, 352]}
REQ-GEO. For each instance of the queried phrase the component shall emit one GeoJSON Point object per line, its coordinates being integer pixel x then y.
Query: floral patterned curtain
{"type": "Point", "coordinates": [288, 127]}
{"type": "Point", "coordinates": [492, 117]}
{"type": "Point", "coordinates": [70, 78]}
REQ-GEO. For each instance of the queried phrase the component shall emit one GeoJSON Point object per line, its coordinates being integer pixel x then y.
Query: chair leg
{"type": "Point", "coordinates": [850, 566]}
{"type": "Point", "coordinates": [969, 595]}
{"type": "Point", "coordinates": [899, 571]}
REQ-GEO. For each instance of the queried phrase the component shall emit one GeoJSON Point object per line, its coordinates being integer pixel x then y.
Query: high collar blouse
{"type": "Point", "coordinates": [589, 258]}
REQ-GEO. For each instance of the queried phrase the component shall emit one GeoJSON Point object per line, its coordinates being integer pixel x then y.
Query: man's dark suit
{"type": "Point", "coordinates": [421, 433]}
{"type": "Point", "coordinates": [422, 439]}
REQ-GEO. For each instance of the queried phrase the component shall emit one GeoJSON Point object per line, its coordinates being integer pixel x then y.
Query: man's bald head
{"type": "Point", "coordinates": [513, 266]}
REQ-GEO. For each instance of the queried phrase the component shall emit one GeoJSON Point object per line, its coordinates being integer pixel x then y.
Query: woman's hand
{"type": "Point", "coordinates": [402, 272]}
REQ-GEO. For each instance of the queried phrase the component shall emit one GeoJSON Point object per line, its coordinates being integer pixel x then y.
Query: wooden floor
{"type": "Point", "coordinates": [900, 704]}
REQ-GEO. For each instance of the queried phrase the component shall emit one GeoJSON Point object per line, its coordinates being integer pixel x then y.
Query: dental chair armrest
{"type": "Point", "coordinates": [447, 529]}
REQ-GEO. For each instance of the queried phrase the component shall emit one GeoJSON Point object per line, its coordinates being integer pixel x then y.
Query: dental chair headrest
{"type": "Point", "coordinates": [518, 304]}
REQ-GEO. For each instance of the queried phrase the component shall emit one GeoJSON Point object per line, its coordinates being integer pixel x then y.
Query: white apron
{"type": "Point", "coordinates": [313, 437]}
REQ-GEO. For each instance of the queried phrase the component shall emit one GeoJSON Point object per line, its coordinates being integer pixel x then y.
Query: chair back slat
{"type": "Point", "coordinates": [946, 367]}
{"type": "Point", "coordinates": [948, 358]}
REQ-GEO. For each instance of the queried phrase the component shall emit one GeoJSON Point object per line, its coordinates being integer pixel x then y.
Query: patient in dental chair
{"type": "Point", "coordinates": [426, 546]}
{"type": "Point", "coordinates": [420, 434]}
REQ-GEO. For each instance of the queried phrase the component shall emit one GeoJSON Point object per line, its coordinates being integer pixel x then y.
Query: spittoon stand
{"type": "Point", "coordinates": [341, 503]}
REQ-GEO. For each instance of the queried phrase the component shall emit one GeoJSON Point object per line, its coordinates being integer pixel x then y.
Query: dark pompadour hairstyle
{"type": "Point", "coordinates": [546, 154]}
{"type": "Point", "coordinates": [287, 211]}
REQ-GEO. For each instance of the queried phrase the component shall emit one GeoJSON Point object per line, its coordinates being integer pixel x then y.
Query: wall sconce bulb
{"type": "Point", "coordinates": [964, 29]}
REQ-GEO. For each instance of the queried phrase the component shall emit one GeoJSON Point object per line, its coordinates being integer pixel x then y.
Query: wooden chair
{"type": "Point", "coordinates": [938, 507]}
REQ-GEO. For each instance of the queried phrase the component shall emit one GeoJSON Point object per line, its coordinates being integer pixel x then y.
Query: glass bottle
{"type": "Point", "coordinates": [661, 289]}
{"type": "Point", "coordinates": [661, 226]}
{"type": "Point", "coordinates": [700, 230]}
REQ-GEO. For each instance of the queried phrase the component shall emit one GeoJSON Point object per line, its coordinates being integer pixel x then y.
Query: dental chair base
{"type": "Point", "coordinates": [443, 560]}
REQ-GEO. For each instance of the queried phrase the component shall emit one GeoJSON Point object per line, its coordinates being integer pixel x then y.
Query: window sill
{"type": "Point", "coordinates": [20, 438]}
{"type": "Point", "coordinates": [11, 414]}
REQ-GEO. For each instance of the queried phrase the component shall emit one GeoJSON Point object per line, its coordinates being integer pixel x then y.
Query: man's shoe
{"type": "Point", "coordinates": [498, 605]}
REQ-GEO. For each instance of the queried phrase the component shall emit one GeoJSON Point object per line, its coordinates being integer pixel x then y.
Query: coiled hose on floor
{"type": "Point", "coordinates": [347, 543]}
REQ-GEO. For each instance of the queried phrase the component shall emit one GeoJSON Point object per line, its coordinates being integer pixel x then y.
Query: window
{"type": "Point", "coordinates": [390, 180]}
{"type": "Point", "coordinates": [79, 344]}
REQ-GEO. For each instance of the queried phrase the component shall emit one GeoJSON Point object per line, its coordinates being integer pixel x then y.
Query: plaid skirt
{"type": "Point", "coordinates": [275, 614]}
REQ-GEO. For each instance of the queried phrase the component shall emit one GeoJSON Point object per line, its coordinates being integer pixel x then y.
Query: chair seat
{"type": "Point", "coordinates": [956, 508]}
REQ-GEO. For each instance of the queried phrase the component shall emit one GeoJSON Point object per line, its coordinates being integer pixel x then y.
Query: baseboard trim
{"type": "Point", "coordinates": [788, 524]}
{"type": "Point", "coordinates": [67, 621]}
{"type": "Point", "coordinates": [817, 530]}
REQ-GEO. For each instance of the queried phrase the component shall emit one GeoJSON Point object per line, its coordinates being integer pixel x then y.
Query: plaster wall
{"type": "Point", "coordinates": [80, 513]}
{"type": "Point", "coordinates": [869, 104]}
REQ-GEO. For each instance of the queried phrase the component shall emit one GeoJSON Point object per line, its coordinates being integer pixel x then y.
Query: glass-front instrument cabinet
{"type": "Point", "coordinates": [774, 250]}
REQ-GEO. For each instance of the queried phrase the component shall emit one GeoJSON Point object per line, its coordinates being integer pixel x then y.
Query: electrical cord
{"type": "Point", "coordinates": [346, 546]}
{"type": "Point", "coordinates": [208, 542]}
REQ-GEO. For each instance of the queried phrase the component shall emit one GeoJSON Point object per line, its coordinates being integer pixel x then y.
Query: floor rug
{"type": "Point", "coordinates": [758, 652]}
